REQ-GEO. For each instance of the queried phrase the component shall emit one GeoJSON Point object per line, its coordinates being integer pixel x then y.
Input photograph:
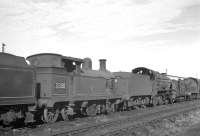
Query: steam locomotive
{"type": "Point", "coordinates": [53, 86]}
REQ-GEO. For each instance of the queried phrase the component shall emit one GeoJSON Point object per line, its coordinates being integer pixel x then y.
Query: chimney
{"type": "Point", "coordinates": [102, 65]}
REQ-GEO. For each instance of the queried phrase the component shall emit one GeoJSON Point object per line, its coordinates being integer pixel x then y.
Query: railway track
{"type": "Point", "coordinates": [113, 124]}
{"type": "Point", "coordinates": [129, 126]}
{"type": "Point", "coordinates": [129, 120]}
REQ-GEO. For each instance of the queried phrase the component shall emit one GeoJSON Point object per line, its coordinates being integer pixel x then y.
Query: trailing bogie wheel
{"type": "Point", "coordinates": [50, 115]}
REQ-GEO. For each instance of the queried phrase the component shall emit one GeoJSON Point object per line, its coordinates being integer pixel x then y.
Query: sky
{"type": "Point", "coordinates": [157, 34]}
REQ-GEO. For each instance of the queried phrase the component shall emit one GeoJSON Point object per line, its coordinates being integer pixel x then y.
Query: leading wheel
{"type": "Point", "coordinates": [50, 116]}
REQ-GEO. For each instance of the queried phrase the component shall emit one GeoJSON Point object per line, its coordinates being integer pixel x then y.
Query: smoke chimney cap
{"type": "Point", "coordinates": [102, 65]}
{"type": "Point", "coordinates": [102, 60]}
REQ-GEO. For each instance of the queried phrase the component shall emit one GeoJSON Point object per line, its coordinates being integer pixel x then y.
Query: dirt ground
{"type": "Point", "coordinates": [194, 130]}
{"type": "Point", "coordinates": [181, 125]}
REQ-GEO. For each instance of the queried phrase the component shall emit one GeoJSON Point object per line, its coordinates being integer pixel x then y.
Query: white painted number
{"type": "Point", "coordinates": [60, 85]}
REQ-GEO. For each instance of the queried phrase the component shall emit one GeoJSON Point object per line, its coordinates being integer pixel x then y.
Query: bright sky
{"type": "Point", "coordinates": [158, 34]}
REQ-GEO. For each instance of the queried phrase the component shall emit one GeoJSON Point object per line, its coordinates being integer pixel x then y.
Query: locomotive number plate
{"type": "Point", "coordinates": [60, 85]}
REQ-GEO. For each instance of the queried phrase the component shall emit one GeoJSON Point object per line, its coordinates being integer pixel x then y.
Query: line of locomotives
{"type": "Point", "coordinates": [45, 87]}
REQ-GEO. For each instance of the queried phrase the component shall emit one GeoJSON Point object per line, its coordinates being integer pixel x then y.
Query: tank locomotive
{"type": "Point", "coordinates": [70, 83]}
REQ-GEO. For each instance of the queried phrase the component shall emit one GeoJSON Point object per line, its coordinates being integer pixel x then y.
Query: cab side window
{"type": "Point", "coordinates": [70, 66]}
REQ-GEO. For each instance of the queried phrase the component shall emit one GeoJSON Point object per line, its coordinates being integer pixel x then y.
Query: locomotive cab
{"type": "Point", "coordinates": [144, 71]}
{"type": "Point", "coordinates": [72, 64]}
